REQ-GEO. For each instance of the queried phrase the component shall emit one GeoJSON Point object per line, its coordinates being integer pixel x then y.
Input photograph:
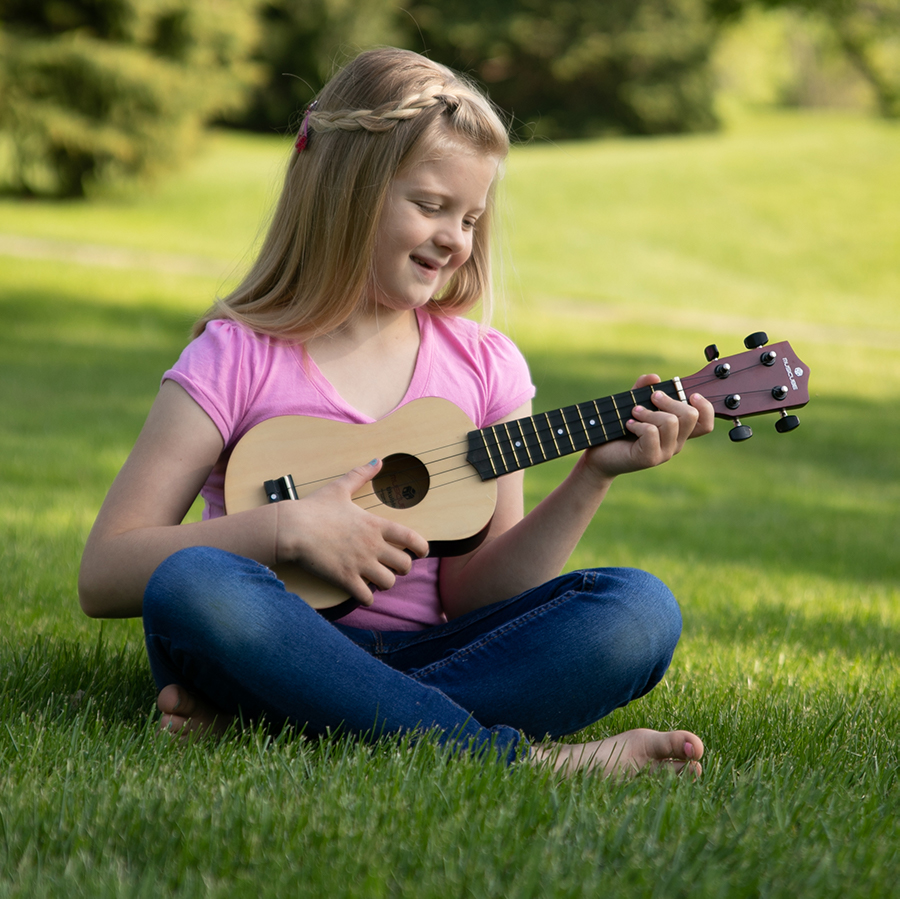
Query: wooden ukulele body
{"type": "Point", "coordinates": [425, 482]}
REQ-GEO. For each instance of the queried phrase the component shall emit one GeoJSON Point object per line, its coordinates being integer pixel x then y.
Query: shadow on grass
{"type": "Point", "coordinates": [59, 678]}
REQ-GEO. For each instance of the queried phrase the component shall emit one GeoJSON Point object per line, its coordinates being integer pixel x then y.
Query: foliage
{"type": "Point", "coordinates": [300, 47]}
{"type": "Point", "coordinates": [97, 89]}
{"type": "Point", "coordinates": [868, 32]}
{"type": "Point", "coordinates": [568, 69]}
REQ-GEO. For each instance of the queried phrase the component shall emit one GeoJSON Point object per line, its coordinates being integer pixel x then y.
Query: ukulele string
{"type": "Point", "coordinates": [722, 384]}
{"type": "Point", "coordinates": [543, 432]}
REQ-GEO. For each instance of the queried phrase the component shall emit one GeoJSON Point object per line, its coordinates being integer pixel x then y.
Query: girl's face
{"type": "Point", "coordinates": [427, 226]}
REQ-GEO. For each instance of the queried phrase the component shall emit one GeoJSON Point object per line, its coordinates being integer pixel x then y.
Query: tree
{"type": "Point", "coordinates": [97, 89]}
{"type": "Point", "coordinates": [302, 43]}
{"type": "Point", "coordinates": [569, 69]}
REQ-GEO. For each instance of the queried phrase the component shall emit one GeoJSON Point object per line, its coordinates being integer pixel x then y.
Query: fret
{"type": "Point", "coordinates": [599, 420]}
{"type": "Point", "coordinates": [533, 441]}
{"type": "Point", "coordinates": [580, 409]}
{"type": "Point", "coordinates": [577, 431]}
{"type": "Point", "coordinates": [543, 428]}
{"type": "Point", "coordinates": [507, 452]}
{"type": "Point", "coordinates": [490, 447]}
{"type": "Point", "coordinates": [560, 433]}
{"type": "Point", "coordinates": [520, 444]}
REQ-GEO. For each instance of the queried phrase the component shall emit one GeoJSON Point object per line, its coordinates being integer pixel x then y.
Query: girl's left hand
{"type": "Point", "coordinates": [661, 431]}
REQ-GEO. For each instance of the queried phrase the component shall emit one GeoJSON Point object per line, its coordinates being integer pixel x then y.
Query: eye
{"type": "Point", "coordinates": [428, 208]}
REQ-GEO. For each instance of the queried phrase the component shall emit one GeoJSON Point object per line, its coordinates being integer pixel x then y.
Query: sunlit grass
{"type": "Point", "coordinates": [622, 257]}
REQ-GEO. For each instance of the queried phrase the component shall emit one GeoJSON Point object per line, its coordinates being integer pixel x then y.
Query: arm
{"type": "Point", "coordinates": [521, 552]}
{"type": "Point", "coordinates": [139, 524]}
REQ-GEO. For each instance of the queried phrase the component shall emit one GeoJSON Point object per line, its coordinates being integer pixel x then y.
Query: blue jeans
{"type": "Point", "coordinates": [548, 662]}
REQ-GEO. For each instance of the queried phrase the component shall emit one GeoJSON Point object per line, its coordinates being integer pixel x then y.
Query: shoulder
{"type": "Point", "coordinates": [223, 337]}
{"type": "Point", "coordinates": [227, 348]}
{"type": "Point", "coordinates": [224, 369]}
{"type": "Point", "coordinates": [484, 345]}
{"type": "Point", "coordinates": [480, 369]}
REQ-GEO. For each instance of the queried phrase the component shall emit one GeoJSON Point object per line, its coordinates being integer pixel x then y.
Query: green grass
{"type": "Point", "coordinates": [621, 257]}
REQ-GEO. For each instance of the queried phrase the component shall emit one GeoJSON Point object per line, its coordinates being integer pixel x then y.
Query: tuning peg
{"type": "Point", "coordinates": [786, 423]}
{"type": "Point", "coordinates": [756, 339]}
{"type": "Point", "coordinates": [740, 432]}
{"type": "Point", "coordinates": [711, 353]}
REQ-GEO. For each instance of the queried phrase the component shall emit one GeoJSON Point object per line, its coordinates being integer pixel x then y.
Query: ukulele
{"type": "Point", "coordinates": [439, 472]}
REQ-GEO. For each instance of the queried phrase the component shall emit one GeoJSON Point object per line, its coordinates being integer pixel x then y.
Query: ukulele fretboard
{"type": "Point", "coordinates": [512, 445]}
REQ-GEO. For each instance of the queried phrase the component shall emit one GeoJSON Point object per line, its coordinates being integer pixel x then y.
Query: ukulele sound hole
{"type": "Point", "coordinates": [402, 482]}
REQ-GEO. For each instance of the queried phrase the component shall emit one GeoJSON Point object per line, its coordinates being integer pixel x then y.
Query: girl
{"type": "Point", "coordinates": [378, 244]}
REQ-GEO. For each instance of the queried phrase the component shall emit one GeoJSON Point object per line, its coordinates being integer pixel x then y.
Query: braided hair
{"type": "Point", "coordinates": [387, 110]}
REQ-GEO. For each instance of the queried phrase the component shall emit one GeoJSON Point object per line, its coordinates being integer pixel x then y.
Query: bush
{"type": "Point", "coordinates": [102, 89]}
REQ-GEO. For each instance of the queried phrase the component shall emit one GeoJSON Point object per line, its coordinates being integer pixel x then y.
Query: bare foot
{"type": "Point", "coordinates": [625, 754]}
{"type": "Point", "coordinates": [186, 716]}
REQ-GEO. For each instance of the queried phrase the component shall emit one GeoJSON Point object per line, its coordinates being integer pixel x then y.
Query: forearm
{"type": "Point", "coordinates": [529, 553]}
{"type": "Point", "coordinates": [115, 568]}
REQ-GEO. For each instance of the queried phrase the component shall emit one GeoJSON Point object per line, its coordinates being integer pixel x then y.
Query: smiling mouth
{"type": "Point", "coordinates": [425, 264]}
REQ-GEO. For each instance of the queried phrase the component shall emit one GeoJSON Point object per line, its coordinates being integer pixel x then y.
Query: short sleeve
{"type": "Point", "coordinates": [507, 374]}
{"type": "Point", "coordinates": [214, 370]}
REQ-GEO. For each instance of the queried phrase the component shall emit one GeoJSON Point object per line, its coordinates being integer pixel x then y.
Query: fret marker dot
{"type": "Point", "coordinates": [593, 422]}
{"type": "Point", "coordinates": [559, 431]}
{"type": "Point", "coordinates": [518, 443]}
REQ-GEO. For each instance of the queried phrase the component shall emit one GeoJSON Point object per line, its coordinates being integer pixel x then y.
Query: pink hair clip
{"type": "Point", "coordinates": [303, 136]}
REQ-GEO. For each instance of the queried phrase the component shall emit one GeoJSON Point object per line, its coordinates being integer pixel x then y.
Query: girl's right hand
{"type": "Point", "coordinates": [334, 539]}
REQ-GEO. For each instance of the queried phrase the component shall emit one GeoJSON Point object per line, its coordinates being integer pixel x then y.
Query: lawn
{"type": "Point", "coordinates": [618, 257]}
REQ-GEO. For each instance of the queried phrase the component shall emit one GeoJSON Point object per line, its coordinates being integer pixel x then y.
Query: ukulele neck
{"type": "Point", "coordinates": [513, 445]}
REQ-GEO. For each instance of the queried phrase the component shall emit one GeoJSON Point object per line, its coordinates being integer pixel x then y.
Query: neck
{"type": "Point", "coordinates": [370, 360]}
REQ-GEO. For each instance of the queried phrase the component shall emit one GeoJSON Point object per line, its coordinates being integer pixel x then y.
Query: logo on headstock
{"type": "Point", "coordinates": [797, 371]}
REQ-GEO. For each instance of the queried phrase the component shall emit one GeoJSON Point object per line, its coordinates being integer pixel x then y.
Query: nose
{"type": "Point", "coordinates": [453, 236]}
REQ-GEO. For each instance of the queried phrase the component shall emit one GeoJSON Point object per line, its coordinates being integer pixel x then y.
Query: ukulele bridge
{"type": "Point", "coordinates": [280, 489]}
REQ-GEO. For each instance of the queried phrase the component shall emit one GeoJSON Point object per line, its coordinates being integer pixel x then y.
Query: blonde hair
{"type": "Point", "coordinates": [385, 111]}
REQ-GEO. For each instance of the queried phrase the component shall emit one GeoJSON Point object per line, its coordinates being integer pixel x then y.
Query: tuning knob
{"type": "Point", "coordinates": [740, 432]}
{"type": "Point", "coordinates": [756, 339]}
{"type": "Point", "coordinates": [779, 393]}
{"type": "Point", "coordinates": [786, 423]}
{"type": "Point", "coordinates": [711, 353]}
{"type": "Point", "coordinates": [723, 370]}
{"type": "Point", "coordinates": [733, 401]}
{"type": "Point", "coordinates": [769, 357]}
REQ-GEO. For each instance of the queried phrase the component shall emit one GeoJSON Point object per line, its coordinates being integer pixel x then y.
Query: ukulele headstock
{"type": "Point", "coordinates": [763, 379]}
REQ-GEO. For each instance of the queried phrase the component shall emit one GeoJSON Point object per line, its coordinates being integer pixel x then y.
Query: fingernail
{"type": "Point", "coordinates": [374, 462]}
{"type": "Point", "coordinates": [689, 750]}
{"type": "Point", "coordinates": [636, 408]}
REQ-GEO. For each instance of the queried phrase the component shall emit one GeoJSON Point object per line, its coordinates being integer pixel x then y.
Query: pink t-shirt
{"type": "Point", "coordinates": [241, 378]}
